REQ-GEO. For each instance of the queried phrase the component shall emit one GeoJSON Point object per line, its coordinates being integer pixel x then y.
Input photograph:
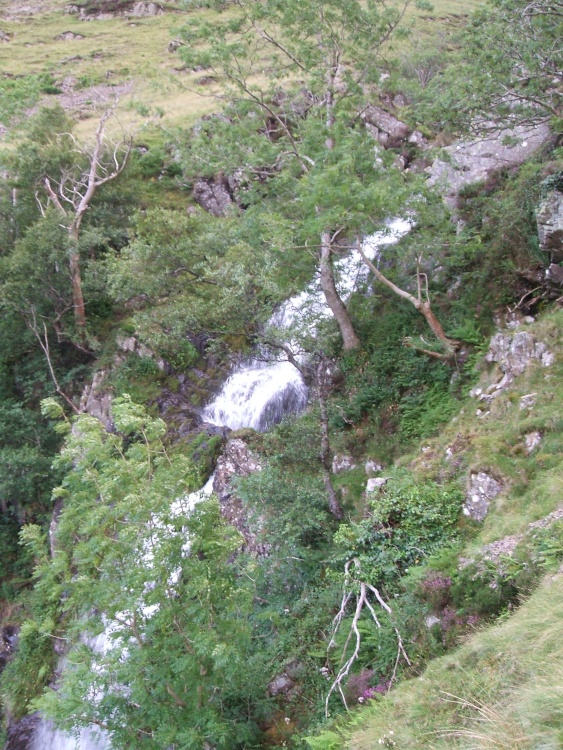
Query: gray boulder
{"type": "Point", "coordinates": [213, 194]}
{"type": "Point", "coordinates": [341, 462]}
{"type": "Point", "coordinates": [385, 127]}
{"type": "Point", "coordinates": [470, 162]}
{"type": "Point", "coordinates": [482, 489]}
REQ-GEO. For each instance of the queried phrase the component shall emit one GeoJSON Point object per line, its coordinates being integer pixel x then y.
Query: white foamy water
{"type": "Point", "coordinates": [257, 395]}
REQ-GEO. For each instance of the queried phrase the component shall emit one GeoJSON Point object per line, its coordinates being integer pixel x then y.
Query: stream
{"type": "Point", "coordinates": [258, 394]}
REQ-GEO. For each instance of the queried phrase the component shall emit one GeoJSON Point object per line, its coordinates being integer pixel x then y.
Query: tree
{"type": "Point", "coordinates": [71, 192]}
{"type": "Point", "coordinates": [507, 72]}
{"type": "Point", "coordinates": [134, 558]}
{"type": "Point", "coordinates": [327, 55]}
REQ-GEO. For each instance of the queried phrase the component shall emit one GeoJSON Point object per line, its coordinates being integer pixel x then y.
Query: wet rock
{"type": "Point", "coordinates": [482, 489]}
{"type": "Point", "coordinates": [385, 127]}
{"type": "Point", "coordinates": [532, 440]}
{"type": "Point", "coordinates": [471, 162]}
{"type": "Point", "coordinates": [554, 275]}
{"type": "Point", "coordinates": [340, 463]}
{"type": "Point", "coordinates": [213, 194]}
{"type": "Point", "coordinates": [372, 467]}
{"type": "Point", "coordinates": [97, 401]}
{"type": "Point", "coordinates": [375, 484]}
{"type": "Point", "coordinates": [549, 217]}
{"type": "Point", "coordinates": [21, 733]}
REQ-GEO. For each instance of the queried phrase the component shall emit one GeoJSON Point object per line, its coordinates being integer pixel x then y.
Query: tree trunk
{"type": "Point", "coordinates": [339, 309]}
{"type": "Point", "coordinates": [76, 283]}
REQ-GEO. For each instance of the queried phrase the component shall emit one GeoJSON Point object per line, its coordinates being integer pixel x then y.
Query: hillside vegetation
{"type": "Point", "coordinates": [380, 560]}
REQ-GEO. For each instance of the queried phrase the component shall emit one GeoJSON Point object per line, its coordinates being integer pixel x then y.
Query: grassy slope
{"type": "Point", "coordinates": [134, 51]}
{"type": "Point", "coordinates": [504, 687]}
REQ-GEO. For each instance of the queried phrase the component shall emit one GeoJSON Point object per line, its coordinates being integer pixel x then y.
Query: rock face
{"type": "Point", "coordinates": [21, 733]}
{"type": "Point", "coordinates": [470, 162]}
{"type": "Point", "coordinates": [237, 460]}
{"type": "Point", "coordinates": [385, 127]}
{"type": "Point", "coordinates": [97, 401]}
{"type": "Point", "coordinates": [549, 217]}
{"type": "Point", "coordinates": [482, 489]}
{"type": "Point", "coordinates": [213, 194]}
{"type": "Point", "coordinates": [107, 10]}
{"type": "Point", "coordinates": [513, 353]}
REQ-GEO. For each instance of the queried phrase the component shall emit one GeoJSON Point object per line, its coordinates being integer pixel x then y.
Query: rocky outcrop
{"type": "Point", "coordinates": [96, 400]}
{"type": "Point", "coordinates": [372, 467]}
{"type": "Point", "coordinates": [549, 217]}
{"type": "Point", "coordinates": [341, 463]}
{"type": "Point", "coordinates": [213, 194]}
{"type": "Point", "coordinates": [482, 489]}
{"type": "Point", "coordinates": [385, 127]}
{"type": "Point", "coordinates": [105, 10]}
{"type": "Point", "coordinates": [68, 36]}
{"type": "Point", "coordinates": [470, 162]}
{"type": "Point", "coordinates": [237, 460]}
{"type": "Point", "coordinates": [21, 733]}
{"type": "Point", "coordinates": [513, 352]}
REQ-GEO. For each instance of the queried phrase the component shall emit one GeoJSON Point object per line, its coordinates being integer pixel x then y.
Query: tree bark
{"type": "Point", "coordinates": [76, 283]}
{"type": "Point", "coordinates": [338, 308]}
{"type": "Point", "coordinates": [423, 307]}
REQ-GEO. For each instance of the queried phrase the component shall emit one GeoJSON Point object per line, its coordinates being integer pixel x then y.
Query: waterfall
{"type": "Point", "coordinates": [257, 394]}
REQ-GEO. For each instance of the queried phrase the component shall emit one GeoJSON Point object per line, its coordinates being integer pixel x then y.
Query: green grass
{"type": "Point", "coordinates": [135, 51]}
{"type": "Point", "coordinates": [503, 689]}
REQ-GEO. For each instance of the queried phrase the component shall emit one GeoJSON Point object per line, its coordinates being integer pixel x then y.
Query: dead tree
{"type": "Point", "coordinates": [355, 588]}
{"type": "Point", "coordinates": [421, 303]}
{"type": "Point", "coordinates": [72, 193]}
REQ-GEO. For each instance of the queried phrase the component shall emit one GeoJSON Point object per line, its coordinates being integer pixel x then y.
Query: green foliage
{"type": "Point", "coordinates": [484, 76]}
{"type": "Point", "coordinates": [406, 522]}
{"type": "Point", "coordinates": [177, 623]}
{"type": "Point", "coordinates": [28, 673]}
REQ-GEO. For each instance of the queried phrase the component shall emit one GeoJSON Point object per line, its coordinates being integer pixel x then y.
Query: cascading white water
{"type": "Point", "coordinates": [257, 394]}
